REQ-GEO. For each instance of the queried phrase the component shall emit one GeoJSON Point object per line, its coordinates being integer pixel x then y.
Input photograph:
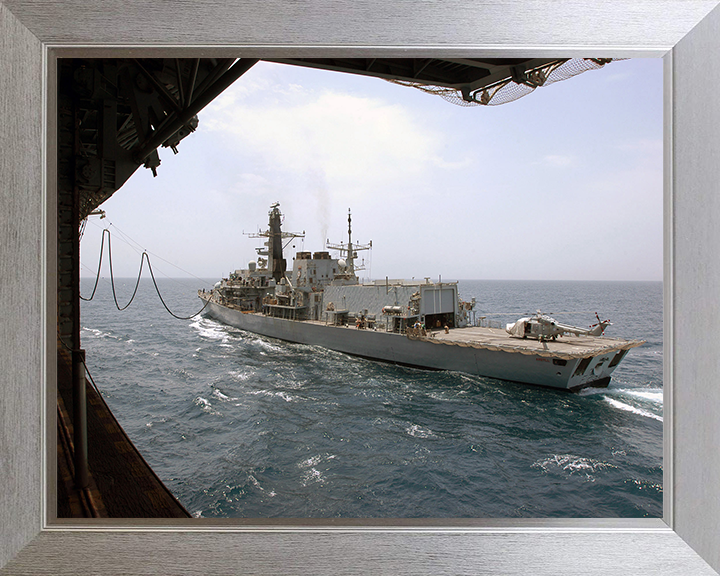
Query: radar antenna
{"type": "Point", "coordinates": [273, 248]}
{"type": "Point", "coordinates": [350, 251]}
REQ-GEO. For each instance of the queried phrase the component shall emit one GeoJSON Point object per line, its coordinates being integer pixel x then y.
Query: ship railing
{"type": "Point", "coordinates": [485, 322]}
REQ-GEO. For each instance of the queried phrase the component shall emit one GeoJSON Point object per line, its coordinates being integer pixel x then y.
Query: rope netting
{"type": "Point", "coordinates": [511, 89]}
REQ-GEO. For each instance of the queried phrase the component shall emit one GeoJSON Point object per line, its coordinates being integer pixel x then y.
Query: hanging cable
{"type": "Point", "coordinates": [97, 278]}
{"type": "Point", "coordinates": [143, 257]}
{"type": "Point", "coordinates": [112, 278]}
{"type": "Point", "coordinates": [163, 301]}
{"type": "Point", "coordinates": [133, 244]}
{"type": "Point", "coordinates": [92, 380]}
{"type": "Point", "coordinates": [83, 362]}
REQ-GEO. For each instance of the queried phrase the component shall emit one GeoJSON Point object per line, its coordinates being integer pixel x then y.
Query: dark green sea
{"type": "Point", "coordinates": [238, 425]}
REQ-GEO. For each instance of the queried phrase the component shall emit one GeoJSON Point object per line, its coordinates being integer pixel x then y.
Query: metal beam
{"type": "Point", "coordinates": [202, 100]}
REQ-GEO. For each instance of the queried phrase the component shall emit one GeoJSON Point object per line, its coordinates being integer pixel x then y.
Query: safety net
{"type": "Point", "coordinates": [521, 83]}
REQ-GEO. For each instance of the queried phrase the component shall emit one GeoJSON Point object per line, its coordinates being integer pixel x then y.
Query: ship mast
{"type": "Point", "coordinates": [351, 255]}
{"type": "Point", "coordinates": [350, 252]}
{"type": "Point", "coordinates": [276, 264]}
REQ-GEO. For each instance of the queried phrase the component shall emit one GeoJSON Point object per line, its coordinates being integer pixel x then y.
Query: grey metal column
{"type": "Point", "coordinates": [80, 437]}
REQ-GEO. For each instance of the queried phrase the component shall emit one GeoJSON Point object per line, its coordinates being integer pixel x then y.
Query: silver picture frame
{"type": "Point", "coordinates": [685, 33]}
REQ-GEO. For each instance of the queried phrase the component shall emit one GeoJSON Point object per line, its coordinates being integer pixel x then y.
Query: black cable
{"type": "Point", "coordinates": [83, 362]}
{"type": "Point", "coordinates": [112, 278]}
{"type": "Point", "coordinates": [127, 239]}
{"type": "Point", "coordinates": [112, 282]}
{"type": "Point", "coordinates": [87, 371]}
{"type": "Point", "coordinates": [143, 257]}
{"type": "Point", "coordinates": [163, 301]}
{"type": "Point", "coordinates": [97, 278]}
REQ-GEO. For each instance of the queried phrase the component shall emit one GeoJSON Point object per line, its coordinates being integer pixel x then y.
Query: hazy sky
{"type": "Point", "coordinates": [564, 184]}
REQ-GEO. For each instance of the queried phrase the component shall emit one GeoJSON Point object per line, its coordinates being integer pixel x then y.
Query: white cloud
{"type": "Point", "coordinates": [618, 77]}
{"type": "Point", "coordinates": [557, 160]}
{"type": "Point", "coordinates": [359, 143]}
{"type": "Point", "coordinates": [493, 193]}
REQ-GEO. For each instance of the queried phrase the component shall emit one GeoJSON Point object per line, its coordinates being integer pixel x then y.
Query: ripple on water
{"type": "Point", "coordinates": [570, 465]}
{"type": "Point", "coordinates": [205, 405]}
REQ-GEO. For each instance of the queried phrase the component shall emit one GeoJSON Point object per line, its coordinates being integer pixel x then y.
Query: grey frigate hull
{"type": "Point", "coordinates": [424, 324]}
{"type": "Point", "coordinates": [570, 364]}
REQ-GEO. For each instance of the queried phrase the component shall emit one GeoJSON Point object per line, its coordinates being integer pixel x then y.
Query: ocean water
{"type": "Point", "coordinates": [239, 425]}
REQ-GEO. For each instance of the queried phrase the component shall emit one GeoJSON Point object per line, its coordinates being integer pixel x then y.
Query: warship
{"type": "Point", "coordinates": [424, 324]}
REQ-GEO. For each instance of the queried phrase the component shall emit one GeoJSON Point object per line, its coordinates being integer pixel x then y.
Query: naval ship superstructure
{"type": "Point", "coordinates": [320, 301]}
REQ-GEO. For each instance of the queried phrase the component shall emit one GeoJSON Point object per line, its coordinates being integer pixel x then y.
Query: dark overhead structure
{"type": "Point", "coordinates": [460, 73]}
{"type": "Point", "coordinates": [463, 81]}
{"type": "Point", "coordinates": [114, 114]}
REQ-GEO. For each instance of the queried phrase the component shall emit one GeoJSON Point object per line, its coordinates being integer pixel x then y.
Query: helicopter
{"type": "Point", "coordinates": [543, 327]}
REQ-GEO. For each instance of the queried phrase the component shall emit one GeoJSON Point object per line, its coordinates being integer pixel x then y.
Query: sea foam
{"type": "Point", "coordinates": [628, 408]}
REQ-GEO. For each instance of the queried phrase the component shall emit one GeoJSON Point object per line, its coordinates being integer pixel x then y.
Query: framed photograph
{"type": "Point", "coordinates": [683, 33]}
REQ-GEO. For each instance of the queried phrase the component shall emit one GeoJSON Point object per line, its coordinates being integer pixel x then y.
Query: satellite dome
{"type": "Point", "coordinates": [342, 263]}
